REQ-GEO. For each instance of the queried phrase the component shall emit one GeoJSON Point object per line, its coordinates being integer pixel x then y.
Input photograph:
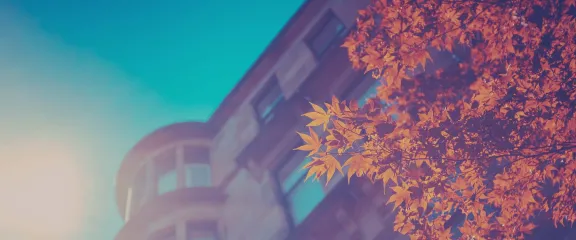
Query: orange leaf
{"type": "Point", "coordinates": [357, 165]}
{"type": "Point", "coordinates": [389, 175]}
{"type": "Point", "coordinates": [312, 142]}
{"type": "Point", "coordinates": [401, 194]}
{"type": "Point", "coordinates": [331, 164]}
{"type": "Point", "coordinates": [527, 229]}
{"type": "Point", "coordinates": [316, 170]}
{"type": "Point", "coordinates": [319, 117]}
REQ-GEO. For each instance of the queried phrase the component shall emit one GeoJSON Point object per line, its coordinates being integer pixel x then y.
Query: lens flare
{"type": "Point", "coordinates": [41, 190]}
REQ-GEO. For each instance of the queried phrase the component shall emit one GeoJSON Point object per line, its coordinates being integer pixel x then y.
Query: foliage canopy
{"type": "Point", "coordinates": [492, 138]}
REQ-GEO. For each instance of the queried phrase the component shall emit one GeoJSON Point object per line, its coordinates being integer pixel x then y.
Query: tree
{"type": "Point", "coordinates": [492, 138]}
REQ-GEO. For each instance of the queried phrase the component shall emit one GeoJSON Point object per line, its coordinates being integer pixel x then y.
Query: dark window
{"type": "Point", "coordinates": [270, 97]}
{"type": "Point", "coordinates": [329, 30]}
{"type": "Point", "coordinates": [165, 169]}
{"type": "Point", "coordinates": [196, 154]}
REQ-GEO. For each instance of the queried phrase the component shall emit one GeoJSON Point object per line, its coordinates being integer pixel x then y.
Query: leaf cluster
{"type": "Point", "coordinates": [491, 138]}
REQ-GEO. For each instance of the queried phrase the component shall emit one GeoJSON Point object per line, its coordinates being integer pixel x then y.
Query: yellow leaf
{"type": "Point", "coordinates": [426, 116]}
{"type": "Point", "coordinates": [401, 195]}
{"type": "Point", "coordinates": [357, 165]}
{"type": "Point", "coordinates": [527, 228]}
{"type": "Point", "coordinates": [316, 170]}
{"type": "Point", "coordinates": [319, 116]}
{"type": "Point", "coordinates": [335, 106]}
{"type": "Point", "coordinates": [331, 165]}
{"type": "Point", "coordinates": [445, 134]}
{"type": "Point", "coordinates": [317, 119]}
{"type": "Point", "coordinates": [446, 234]}
{"type": "Point", "coordinates": [312, 142]}
{"type": "Point", "coordinates": [318, 108]}
{"type": "Point", "coordinates": [389, 175]}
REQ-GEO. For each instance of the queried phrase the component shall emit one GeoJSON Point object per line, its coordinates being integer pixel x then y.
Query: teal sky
{"type": "Point", "coordinates": [82, 81]}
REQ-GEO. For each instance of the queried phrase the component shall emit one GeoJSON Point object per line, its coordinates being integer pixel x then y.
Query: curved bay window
{"type": "Point", "coordinates": [165, 169]}
{"type": "Point", "coordinates": [196, 167]}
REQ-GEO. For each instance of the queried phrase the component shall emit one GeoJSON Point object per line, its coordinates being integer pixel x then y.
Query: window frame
{"type": "Point", "coordinates": [318, 29]}
{"type": "Point", "coordinates": [189, 177]}
{"type": "Point", "coordinates": [156, 158]}
{"type": "Point", "coordinates": [271, 84]}
{"type": "Point", "coordinates": [196, 156]}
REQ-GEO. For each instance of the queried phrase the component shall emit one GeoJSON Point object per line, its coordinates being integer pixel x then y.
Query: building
{"type": "Point", "coordinates": [236, 177]}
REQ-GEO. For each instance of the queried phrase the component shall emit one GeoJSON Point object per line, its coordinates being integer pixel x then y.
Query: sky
{"type": "Point", "coordinates": [82, 81]}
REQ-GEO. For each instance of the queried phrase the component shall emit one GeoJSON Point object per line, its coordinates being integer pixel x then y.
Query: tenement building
{"type": "Point", "coordinates": [236, 176]}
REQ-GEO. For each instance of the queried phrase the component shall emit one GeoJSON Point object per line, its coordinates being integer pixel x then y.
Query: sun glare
{"type": "Point", "coordinates": [41, 191]}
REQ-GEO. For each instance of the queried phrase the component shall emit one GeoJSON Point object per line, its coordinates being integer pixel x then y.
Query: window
{"type": "Point", "coordinates": [165, 167]}
{"type": "Point", "coordinates": [301, 196]}
{"type": "Point", "coordinates": [329, 30]}
{"type": "Point", "coordinates": [197, 175]}
{"type": "Point", "coordinates": [271, 97]}
{"type": "Point", "coordinates": [196, 166]}
{"type": "Point", "coordinates": [370, 93]}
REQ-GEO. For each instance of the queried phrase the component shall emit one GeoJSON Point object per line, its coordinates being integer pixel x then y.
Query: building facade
{"type": "Point", "coordinates": [237, 176]}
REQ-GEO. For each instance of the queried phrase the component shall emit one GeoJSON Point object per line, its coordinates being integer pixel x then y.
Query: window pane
{"type": "Point", "coordinates": [267, 111]}
{"type": "Point", "coordinates": [304, 198]}
{"type": "Point", "coordinates": [196, 154]}
{"type": "Point", "coordinates": [197, 175]}
{"type": "Point", "coordinates": [271, 98]}
{"type": "Point", "coordinates": [296, 175]}
{"type": "Point", "coordinates": [165, 169]}
{"type": "Point", "coordinates": [370, 93]}
{"type": "Point", "coordinates": [167, 182]}
{"type": "Point", "coordinates": [332, 30]}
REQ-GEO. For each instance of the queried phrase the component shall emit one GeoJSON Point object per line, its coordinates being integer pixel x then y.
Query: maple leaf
{"type": "Point", "coordinates": [401, 195]}
{"type": "Point", "coordinates": [429, 116]}
{"type": "Point", "coordinates": [358, 165]}
{"type": "Point", "coordinates": [389, 175]}
{"type": "Point", "coordinates": [319, 117]}
{"type": "Point", "coordinates": [317, 169]}
{"type": "Point", "coordinates": [331, 165]}
{"type": "Point", "coordinates": [495, 126]}
{"type": "Point", "coordinates": [527, 228]}
{"type": "Point", "coordinates": [312, 142]}
{"type": "Point", "coordinates": [446, 234]}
